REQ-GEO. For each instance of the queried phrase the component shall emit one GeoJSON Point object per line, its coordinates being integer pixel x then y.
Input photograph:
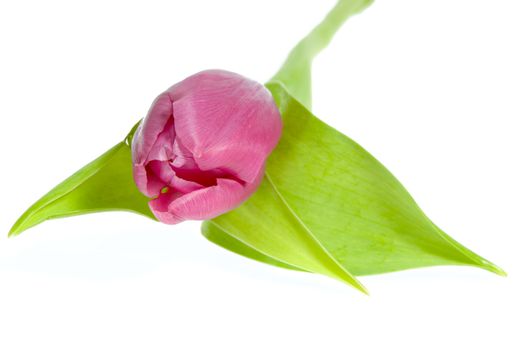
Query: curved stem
{"type": "Point", "coordinates": [295, 73]}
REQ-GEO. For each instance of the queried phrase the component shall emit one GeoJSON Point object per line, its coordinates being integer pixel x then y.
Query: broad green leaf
{"type": "Point", "coordinates": [215, 234]}
{"type": "Point", "coordinates": [325, 184]}
{"type": "Point", "coordinates": [265, 224]}
{"type": "Point", "coordinates": [103, 185]}
{"type": "Point", "coordinates": [295, 73]}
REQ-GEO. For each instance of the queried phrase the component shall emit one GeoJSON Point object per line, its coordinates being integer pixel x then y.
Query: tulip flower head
{"type": "Point", "coordinates": [201, 150]}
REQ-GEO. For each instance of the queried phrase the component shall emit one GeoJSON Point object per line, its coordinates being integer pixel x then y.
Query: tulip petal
{"type": "Point", "coordinates": [226, 121]}
{"type": "Point", "coordinates": [182, 156]}
{"type": "Point", "coordinates": [162, 148]}
{"type": "Point", "coordinates": [141, 178]}
{"type": "Point", "coordinates": [202, 204]}
{"type": "Point", "coordinates": [160, 208]}
{"type": "Point", "coordinates": [169, 178]}
{"type": "Point", "coordinates": [201, 150]}
{"type": "Point", "coordinates": [153, 124]}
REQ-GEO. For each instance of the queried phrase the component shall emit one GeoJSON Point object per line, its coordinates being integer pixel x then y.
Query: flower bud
{"type": "Point", "coordinates": [201, 149]}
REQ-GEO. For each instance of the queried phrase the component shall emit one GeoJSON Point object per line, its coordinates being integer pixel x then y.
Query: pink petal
{"type": "Point", "coordinates": [162, 148]}
{"type": "Point", "coordinates": [151, 126]}
{"type": "Point", "coordinates": [141, 179]}
{"type": "Point", "coordinates": [226, 121]}
{"type": "Point", "coordinates": [203, 204]}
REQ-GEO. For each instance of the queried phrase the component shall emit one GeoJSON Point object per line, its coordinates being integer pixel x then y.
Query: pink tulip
{"type": "Point", "coordinates": [201, 149]}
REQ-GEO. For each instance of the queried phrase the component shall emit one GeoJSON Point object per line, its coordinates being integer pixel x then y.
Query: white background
{"type": "Point", "coordinates": [436, 90]}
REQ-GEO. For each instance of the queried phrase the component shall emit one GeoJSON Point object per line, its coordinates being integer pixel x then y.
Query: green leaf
{"type": "Point", "coordinates": [265, 224]}
{"type": "Point", "coordinates": [295, 73]}
{"type": "Point", "coordinates": [215, 234]}
{"type": "Point", "coordinates": [324, 188]}
{"type": "Point", "coordinates": [103, 185]}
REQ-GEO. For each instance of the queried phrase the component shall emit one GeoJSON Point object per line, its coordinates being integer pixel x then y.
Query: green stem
{"type": "Point", "coordinates": [295, 73]}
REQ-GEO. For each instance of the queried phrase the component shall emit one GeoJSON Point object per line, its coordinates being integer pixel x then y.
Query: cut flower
{"type": "Point", "coordinates": [201, 149]}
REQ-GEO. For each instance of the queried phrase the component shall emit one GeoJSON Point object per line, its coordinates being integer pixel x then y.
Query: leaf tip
{"type": "Point", "coordinates": [17, 228]}
{"type": "Point", "coordinates": [487, 265]}
{"type": "Point", "coordinates": [358, 285]}
{"type": "Point", "coordinates": [13, 232]}
{"type": "Point", "coordinates": [364, 290]}
{"type": "Point", "coordinates": [27, 220]}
